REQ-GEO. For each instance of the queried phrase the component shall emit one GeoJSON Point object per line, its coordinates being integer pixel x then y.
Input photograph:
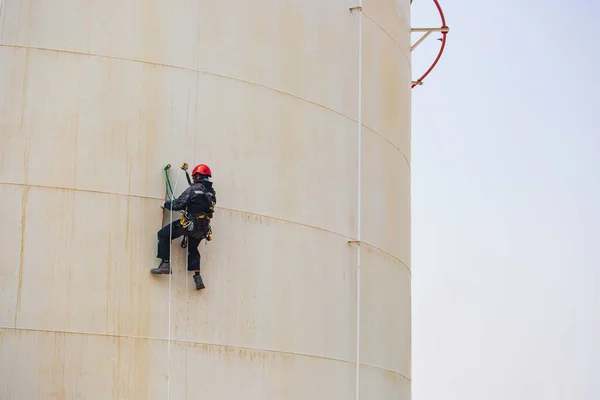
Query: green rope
{"type": "Point", "coordinates": [168, 183]}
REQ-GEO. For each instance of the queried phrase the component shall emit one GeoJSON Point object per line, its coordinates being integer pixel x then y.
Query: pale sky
{"type": "Point", "coordinates": [506, 203]}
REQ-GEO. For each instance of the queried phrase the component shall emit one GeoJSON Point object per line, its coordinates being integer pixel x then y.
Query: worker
{"type": "Point", "coordinates": [197, 204]}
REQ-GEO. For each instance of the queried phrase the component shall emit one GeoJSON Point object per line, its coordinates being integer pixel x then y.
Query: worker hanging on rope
{"type": "Point", "coordinates": [197, 204]}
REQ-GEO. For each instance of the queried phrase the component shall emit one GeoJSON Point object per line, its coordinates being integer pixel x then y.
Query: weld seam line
{"type": "Point", "coordinates": [386, 370]}
{"type": "Point", "coordinates": [391, 144]}
{"type": "Point", "coordinates": [218, 207]}
{"type": "Point", "coordinates": [319, 228]}
{"type": "Point", "coordinates": [114, 335]}
{"type": "Point", "coordinates": [81, 190]}
{"type": "Point", "coordinates": [391, 37]}
{"type": "Point", "coordinates": [212, 74]}
{"type": "Point", "coordinates": [181, 68]}
{"type": "Point", "coordinates": [389, 255]}
{"type": "Point", "coordinates": [158, 339]}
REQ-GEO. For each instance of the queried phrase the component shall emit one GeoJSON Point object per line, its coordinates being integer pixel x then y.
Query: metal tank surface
{"type": "Point", "coordinates": [301, 108]}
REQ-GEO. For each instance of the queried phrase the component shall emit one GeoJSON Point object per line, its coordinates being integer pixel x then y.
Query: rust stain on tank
{"type": "Point", "coordinates": [76, 144]}
{"type": "Point", "coordinates": [115, 367]}
{"type": "Point", "coordinates": [108, 281]}
{"type": "Point", "coordinates": [24, 199]}
{"type": "Point", "coordinates": [23, 106]}
{"type": "Point", "coordinates": [128, 223]}
{"type": "Point", "coordinates": [127, 160]}
{"type": "Point", "coordinates": [24, 88]}
{"type": "Point", "coordinates": [26, 158]}
{"type": "Point", "coordinates": [141, 374]}
{"type": "Point", "coordinates": [51, 375]}
{"type": "Point", "coordinates": [240, 353]}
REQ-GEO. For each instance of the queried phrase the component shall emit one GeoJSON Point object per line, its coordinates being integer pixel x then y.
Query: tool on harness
{"type": "Point", "coordinates": [198, 226]}
{"type": "Point", "coordinates": [184, 167]}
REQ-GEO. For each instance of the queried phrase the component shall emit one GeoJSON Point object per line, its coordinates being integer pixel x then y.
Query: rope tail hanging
{"type": "Point", "coordinates": [168, 184]}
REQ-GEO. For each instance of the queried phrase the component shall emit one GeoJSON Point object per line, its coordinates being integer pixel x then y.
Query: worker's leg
{"type": "Point", "coordinates": [193, 254]}
{"type": "Point", "coordinates": [165, 235]}
{"type": "Point", "coordinates": [194, 261]}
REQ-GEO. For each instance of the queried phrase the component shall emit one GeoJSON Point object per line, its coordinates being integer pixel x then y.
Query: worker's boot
{"type": "Point", "coordinates": [163, 268]}
{"type": "Point", "coordinates": [198, 281]}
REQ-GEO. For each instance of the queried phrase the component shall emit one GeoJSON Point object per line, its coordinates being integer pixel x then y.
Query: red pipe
{"type": "Point", "coordinates": [437, 4]}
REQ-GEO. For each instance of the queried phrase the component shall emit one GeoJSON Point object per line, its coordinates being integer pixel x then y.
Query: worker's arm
{"type": "Point", "coordinates": [181, 202]}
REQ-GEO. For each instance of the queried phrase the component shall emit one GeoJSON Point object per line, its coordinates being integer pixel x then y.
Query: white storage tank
{"type": "Point", "coordinates": [301, 108]}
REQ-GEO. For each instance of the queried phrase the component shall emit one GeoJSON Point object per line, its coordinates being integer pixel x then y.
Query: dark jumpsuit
{"type": "Point", "coordinates": [195, 201]}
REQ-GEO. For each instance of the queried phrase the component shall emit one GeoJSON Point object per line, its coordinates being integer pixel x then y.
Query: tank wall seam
{"type": "Point", "coordinates": [382, 136]}
{"type": "Point", "coordinates": [199, 72]}
{"type": "Point", "coordinates": [402, 50]}
{"type": "Point", "coordinates": [158, 339]}
{"type": "Point", "coordinates": [220, 208]}
{"type": "Point", "coordinates": [391, 371]}
{"type": "Point", "coordinates": [203, 72]}
{"type": "Point", "coordinates": [189, 342]}
{"type": "Point", "coordinates": [224, 77]}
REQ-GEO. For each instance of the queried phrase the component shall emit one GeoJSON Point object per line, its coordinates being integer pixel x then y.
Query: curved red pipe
{"type": "Point", "coordinates": [437, 4]}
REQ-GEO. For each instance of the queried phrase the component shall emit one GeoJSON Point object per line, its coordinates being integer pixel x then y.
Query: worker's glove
{"type": "Point", "coordinates": [162, 205]}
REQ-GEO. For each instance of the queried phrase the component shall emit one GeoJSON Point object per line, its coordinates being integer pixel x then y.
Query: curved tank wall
{"type": "Point", "coordinates": [97, 96]}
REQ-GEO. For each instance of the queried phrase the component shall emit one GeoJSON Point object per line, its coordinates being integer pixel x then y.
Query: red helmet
{"type": "Point", "coordinates": [201, 169]}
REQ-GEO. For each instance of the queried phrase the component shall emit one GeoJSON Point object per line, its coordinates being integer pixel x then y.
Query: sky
{"type": "Point", "coordinates": [506, 203]}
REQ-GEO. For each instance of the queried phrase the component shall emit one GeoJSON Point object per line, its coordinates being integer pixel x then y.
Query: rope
{"type": "Point", "coordinates": [170, 282]}
{"type": "Point", "coordinates": [187, 323]}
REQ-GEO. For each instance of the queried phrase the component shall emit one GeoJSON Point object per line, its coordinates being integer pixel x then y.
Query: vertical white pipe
{"type": "Point", "coordinates": [359, 212]}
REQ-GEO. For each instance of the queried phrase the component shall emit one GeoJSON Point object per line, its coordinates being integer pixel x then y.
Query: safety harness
{"type": "Point", "coordinates": [198, 225]}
